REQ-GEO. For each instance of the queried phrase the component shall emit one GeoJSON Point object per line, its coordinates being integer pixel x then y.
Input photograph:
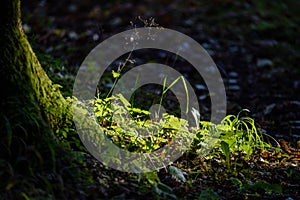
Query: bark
{"type": "Point", "coordinates": [30, 100]}
{"type": "Point", "coordinates": [31, 106]}
{"type": "Point", "coordinates": [21, 73]}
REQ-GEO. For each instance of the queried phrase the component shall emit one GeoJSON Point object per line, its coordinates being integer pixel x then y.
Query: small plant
{"type": "Point", "coordinates": [233, 136]}
{"type": "Point", "coordinates": [131, 128]}
{"type": "Point", "coordinates": [239, 135]}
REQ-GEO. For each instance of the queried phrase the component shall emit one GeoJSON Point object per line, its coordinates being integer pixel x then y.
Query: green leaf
{"type": "Point", "coordinates": [115, 74]}
{"type": "Point", "coordinates": [123, 100]}
{"type": "Point", "coordinates": [152, 177]}
{"type": "Point", "coordinates": [236, 181]}
{"type": "Point", "coordinates": [177, 173]}
{"type": "Point", "coordinates": [25, 196]}
{"type": "Point", "coordinates": [226, 151]}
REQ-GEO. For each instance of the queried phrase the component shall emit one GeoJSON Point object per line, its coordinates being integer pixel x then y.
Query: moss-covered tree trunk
{"type": "Point", "coordinates": [31, 108]}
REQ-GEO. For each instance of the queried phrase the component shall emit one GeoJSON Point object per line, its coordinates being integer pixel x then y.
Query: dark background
{"type": "Point", "coordinates": [255, 44]}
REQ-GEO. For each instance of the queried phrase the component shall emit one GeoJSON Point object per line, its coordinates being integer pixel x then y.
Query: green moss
{"type": "Point", "coordinates": [32, 161]}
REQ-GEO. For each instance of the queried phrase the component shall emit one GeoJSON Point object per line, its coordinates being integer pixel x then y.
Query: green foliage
{"type": "Point", "coordinates": [177, 173]}
{"type": "Point", "coordinates": [235, 135]}
{"type": "Point", "coordinates": [131, 128]}
{"type": "Point", "coordinates": [241, 134]}
{"type": "Point", "coordinates": [226, 151]}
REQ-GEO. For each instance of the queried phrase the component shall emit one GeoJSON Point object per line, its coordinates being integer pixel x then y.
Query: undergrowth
{"type": "Point", "coordinates": [234, 140]}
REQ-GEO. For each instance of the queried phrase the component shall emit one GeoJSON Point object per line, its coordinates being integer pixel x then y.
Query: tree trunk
{"type": "Point", "coordinates": [31, 107]}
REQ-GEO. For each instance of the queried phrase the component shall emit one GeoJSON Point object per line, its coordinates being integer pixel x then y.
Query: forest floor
{"type": "Point", "coordinates": [255, 45]}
